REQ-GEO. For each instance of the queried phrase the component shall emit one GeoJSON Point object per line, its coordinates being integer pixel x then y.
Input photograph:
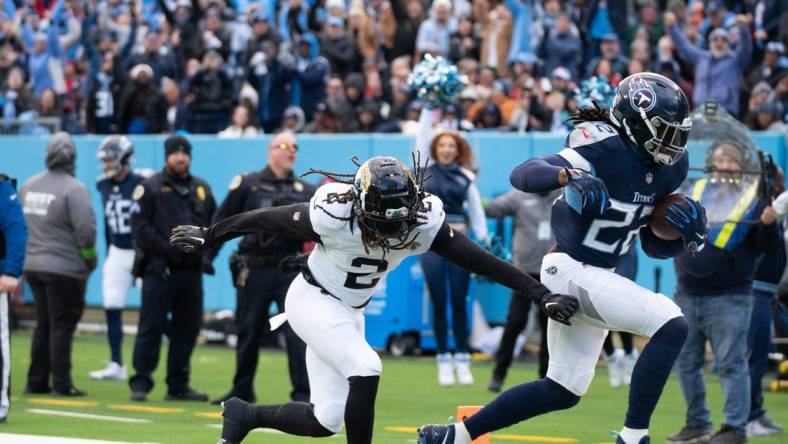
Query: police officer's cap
{"type": "Point", "coordinates": [177, 143]}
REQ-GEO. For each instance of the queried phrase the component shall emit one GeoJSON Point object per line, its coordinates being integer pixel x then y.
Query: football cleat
{"type": "Point", "coordinates": [643, 440]}
{"type": "Point", "coordinates": [436, 434]}
{"type": "Point", "coordinates": [615, 368]}
{"type": "Point", "coordinates": [113, 372]}
{"type": "Point", "coordinates": [239, 420]}
{"type": "Point", "coordinates": [462, 365]}
{"type": "Point", "coordinates": [629, 362]}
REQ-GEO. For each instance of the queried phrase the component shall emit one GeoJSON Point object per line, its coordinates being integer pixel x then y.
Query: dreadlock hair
{"type": "Point", "coordinates": [595, 114]}
{"type": "Point", "coordinates": [371, 239]}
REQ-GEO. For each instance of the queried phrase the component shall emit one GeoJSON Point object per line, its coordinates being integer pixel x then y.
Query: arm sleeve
{"type": "Point", "coordinates": [539, 175]}
{"type": "Point", "coordinates": [744, 51]}
{"type": "Point", "coordinates": [689, 52]}
{"type": "Point", "coordinates": [82, 218]}
{"type": "Point", "coordinates": [457, 248]}
{"type": "Point", "coordinates": [12, 225]}
{"type": "Point", "coordinates": [659, 248]}
{"type": "Point", "coordinates": [232, 204]}
{"type": "Point", "coordinates": [291, 220]}
{"type": "Point", "coordinates": [476, 212]}
{"type": "Point", "coordinates": [53, 33]}
{"type": "Point", "coordinates": [424, 134]}
{"type": "Point", "coordinates": [504, 205]}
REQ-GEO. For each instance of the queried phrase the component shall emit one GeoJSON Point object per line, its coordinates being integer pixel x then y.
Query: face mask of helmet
{"type": "Point", "coordinates": [115, 154]}
{"type": "Point", "coordinates": [669, 140]}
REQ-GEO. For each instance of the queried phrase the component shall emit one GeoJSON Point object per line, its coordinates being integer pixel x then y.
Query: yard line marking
{"type": "Point", "coordinates": [145, 408]}
{"type": "Point", "coordinates": [534, 438]}
{"type": "Point", "coordinates": [508, 437]}
{"type": "Point", "coordinates": [63, 402]}
{"type": "Point", "coordinates": [88, 416]}
{"type": "Point", "coordinates": [401, 429]}
{"type": "Point", "coordinates": [36, 439]}
{"type": "Point", "coordinates": [209, 415]}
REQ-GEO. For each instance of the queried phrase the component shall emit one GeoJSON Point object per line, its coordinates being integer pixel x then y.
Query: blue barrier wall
{"type": "Point", "coordinates": [218, 160]}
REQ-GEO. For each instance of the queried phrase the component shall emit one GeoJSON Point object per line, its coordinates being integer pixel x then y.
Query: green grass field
{"type": "Point", "coordinates": [409, 396]}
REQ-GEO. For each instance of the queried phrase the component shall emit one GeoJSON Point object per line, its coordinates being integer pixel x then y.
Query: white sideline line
{"type": "Point", "coordinates": [33, 439]}
{"type": "Point", "coordinates": [88, 416]}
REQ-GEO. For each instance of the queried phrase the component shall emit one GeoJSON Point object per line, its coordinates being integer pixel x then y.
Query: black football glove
{"type": "Point", "coordinates": [188, 238]}
{"type": "Point", "coordinates": [690, 223]}
{"type": "Point", "coordinates": [559, 307]}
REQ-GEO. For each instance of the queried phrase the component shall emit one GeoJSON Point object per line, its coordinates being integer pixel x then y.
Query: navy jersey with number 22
{"type": "Point", "coordinates": [634, 182]}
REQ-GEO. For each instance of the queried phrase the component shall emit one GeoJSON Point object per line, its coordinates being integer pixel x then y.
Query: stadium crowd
{"type": "Point", "coordinates": [319, 66]}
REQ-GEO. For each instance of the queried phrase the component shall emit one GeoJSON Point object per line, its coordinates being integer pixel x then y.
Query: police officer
{"type": "Point", "coordinates": [13, 236]}
{"type": "Point", "coordinates": [172, 280]}
{"type": "Point", "coordinates": [255, 266]}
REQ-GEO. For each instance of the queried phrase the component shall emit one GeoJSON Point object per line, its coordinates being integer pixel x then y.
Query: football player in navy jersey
{"type": "Point", "coordinates": [363, 228]}
{"type": "Point", "coordinates": [116, 186]}
{"type": "Point", "coordinates": [617, 164]}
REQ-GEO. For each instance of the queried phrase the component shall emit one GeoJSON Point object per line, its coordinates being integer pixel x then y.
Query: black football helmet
{"type": "Point", "coordinates": [654, 112]}
{"type": "Point", "coordinates": [119, 148]}
{"type": "Point", "coordinates": [386, 198]}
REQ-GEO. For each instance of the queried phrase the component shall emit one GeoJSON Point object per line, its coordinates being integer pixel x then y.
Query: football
{"type": "Point", "coordinates": [659, 225]}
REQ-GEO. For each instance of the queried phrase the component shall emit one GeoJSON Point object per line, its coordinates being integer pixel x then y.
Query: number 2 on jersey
{"type": "Point", "coordinates": [631, 213]}
{"type": "Point", "coordinates": [356, 281]}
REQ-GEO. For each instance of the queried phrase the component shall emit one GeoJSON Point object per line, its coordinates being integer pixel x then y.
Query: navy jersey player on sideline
{"type": "Point", "coordinates": [116, 187]}
{"type": "Point", "coordinates": [617, 165]}
{"type": "Point", "coordinates": [363, 228]}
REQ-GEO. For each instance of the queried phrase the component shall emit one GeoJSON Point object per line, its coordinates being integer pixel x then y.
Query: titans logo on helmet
{"type": "Point", "coordinates": [641, 95]}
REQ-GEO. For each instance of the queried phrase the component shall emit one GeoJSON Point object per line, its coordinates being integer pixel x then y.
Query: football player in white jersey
{"type": "Point", "coordinates": [363, 229]}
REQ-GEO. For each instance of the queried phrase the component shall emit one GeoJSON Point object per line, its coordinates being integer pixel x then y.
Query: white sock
{"type": "Point", "coordinates": [632, 436]}
{"type": "Point", "coordinates": [461, 435]}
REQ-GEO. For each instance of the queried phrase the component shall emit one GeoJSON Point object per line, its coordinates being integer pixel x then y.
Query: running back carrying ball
{"type": "Point", "coordinates": [659, 224]}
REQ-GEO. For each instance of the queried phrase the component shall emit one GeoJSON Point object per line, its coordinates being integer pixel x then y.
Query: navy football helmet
{"type": "Point", "coordinates": [654, 112]}
{"type": "Point", "coordinates": [386, 198]}
{"type": "Point", "coordinates": [118, 148]}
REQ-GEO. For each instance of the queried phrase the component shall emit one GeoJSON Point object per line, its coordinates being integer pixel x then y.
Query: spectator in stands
{"type": "Point", "coordinates": [522, 24]}
{"type": "Point", "coordinates": [496, 28]}
{"type": "Point", "coordinates": [46, 55]}
{"type": "Point", "coordinates": [767, 117]}
{"type": "Point", "coordinates": [311, 74]}
{"type": "Point", "coordinates": [771, 68]}
{"type": "Point", "coordinates": [601, 19]}
{"type": "Point", "coordinates": [263, 36]}
{"type": "Point", "coordinates": [61, 254]}
{"type": "Point", "coordinates": [561, 79]}
{"type": "Point", "coordinates": [161, 60]}
{"type": "Point", "coordinates": [368, 116]}
{"type": "Point", "coordinates": [362, 31]}
{"type": "Point", "coordinates": [16, 98]}
{"type": "Point", "coordinates": [464, 41]}
{"type": "Point", "coordinates": [141, 110]}
{"type": "Point", "coordinates": [434, 33]}
{"type": "Point", "coordinates": [241, 124]}
{"type": "Point", "coordinates": [488, 118]}
{"type": "Point", "coordinates": [338, 103]}
{"type": "Point", "coordinates": [409, 15]}
{"type": "Point", "coordinates": [293, 119]}
{"type": "Point", "coordinates": [528, 115]}
{"type": "Point", "coordinates": [323, 121]}
{"type": "Point", "coordinates": [561, 48]}
{"type": "Point", "coordinates": [104, 90]}
{"type": "Point", "coordinates": [185, 23]}
{"type": "Point", "coordinates": [719, 70]}
{"type": "Point", "coordinates": [339, 48]}
{"type": "Point", "coordinates": [176, 110]}
{"type": "Point", "coordinates": [767, 22]}
{"type": "Point", "coordinates": [556, 115]}
{"type": "Point", "coordinates": [210, 96]}
{"type": "Point", "coordinates": [610, 50]}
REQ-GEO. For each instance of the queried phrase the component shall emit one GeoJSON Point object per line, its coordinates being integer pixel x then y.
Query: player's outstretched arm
{"type": "Point", "coordinates": [291, 220]}
{"type": "Point", "coordinates": [458, 248]}
{"type": "Point", "coordinates": [540, 174]}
